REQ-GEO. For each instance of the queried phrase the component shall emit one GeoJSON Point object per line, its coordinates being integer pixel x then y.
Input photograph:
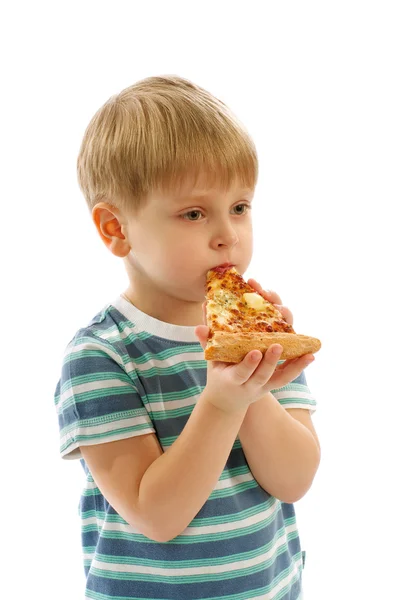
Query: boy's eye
{"type": "Point", "coordinates": [245, 206]}
{"type": "Point", "coordinates": [194, 213]}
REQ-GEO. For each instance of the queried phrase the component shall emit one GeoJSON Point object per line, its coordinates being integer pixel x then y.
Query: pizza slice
{"type": "Point", "coordinates": [241, 320]}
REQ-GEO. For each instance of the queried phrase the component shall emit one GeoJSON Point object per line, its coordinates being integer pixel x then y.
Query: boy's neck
{"type": "Point", "coordinates": [166, 309]}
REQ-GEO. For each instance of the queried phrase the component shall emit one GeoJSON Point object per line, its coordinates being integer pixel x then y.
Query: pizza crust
{"type": "Point", "coordinates": [231, 347]}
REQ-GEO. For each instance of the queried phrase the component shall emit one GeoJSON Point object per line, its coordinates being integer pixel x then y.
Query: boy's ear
{"type": "Point", "coordinates": [110, 226]}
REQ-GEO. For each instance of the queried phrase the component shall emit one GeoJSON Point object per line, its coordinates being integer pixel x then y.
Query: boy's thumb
{"type": "Point", "coordinates": [202, 332]}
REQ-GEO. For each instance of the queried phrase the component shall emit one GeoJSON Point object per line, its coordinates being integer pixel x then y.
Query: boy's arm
{"type": "Point", "coordinates": [160, 493]}
{"type": "Point", "coordinates": [281, 448]}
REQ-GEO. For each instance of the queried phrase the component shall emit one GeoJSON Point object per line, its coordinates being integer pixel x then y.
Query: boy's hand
{"type": "Point", "coordinates": [233, 387]}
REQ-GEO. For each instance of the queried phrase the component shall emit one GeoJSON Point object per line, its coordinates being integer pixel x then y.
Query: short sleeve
{"type": "Point", "coordinates": [296, 395]}
{"type": "Point", "coordinates": [97, 400]}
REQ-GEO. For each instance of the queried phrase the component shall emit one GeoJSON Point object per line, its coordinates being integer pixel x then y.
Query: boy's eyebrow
{"type": "Point", "coordinates": [207, 195]}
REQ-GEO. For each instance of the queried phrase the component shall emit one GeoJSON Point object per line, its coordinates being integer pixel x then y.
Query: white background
{"type": "Point", "coordinates": [315, 84]}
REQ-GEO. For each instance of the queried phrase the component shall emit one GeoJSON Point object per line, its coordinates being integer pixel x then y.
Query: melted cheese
{"type": "Point", "coordinates": [221, 308]}
{"type": "Point", "coordinates": [233, 305]}
{"type": "Point", "coordinates": [255, 301]}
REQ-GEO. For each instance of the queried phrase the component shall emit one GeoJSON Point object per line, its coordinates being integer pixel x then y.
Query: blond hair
{"type": "Point", "coordinates": [155, 133]}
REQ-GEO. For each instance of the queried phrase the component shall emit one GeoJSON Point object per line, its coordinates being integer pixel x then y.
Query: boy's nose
{"type": "Point", "coordinates": [228, 239]}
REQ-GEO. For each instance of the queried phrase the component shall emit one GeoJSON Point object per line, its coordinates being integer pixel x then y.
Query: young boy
{"type": "Point", "coordinates": [191, 466]}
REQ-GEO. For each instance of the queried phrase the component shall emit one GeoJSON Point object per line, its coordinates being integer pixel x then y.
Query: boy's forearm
{"type": "Point", "coordinates": [282, 453]}
{"type": "Point", "coordinates": [177, 484]}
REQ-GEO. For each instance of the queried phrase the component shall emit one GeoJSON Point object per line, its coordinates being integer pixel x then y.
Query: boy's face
{"type": "Point", "coordinates": [177, 237]}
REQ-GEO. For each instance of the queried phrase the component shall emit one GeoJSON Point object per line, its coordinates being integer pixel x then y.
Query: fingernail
{"type": "Point", "coordinates": [277, 350]}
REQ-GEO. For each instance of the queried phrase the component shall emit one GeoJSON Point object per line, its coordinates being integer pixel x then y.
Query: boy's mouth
{"type": "Point", "coordinates": [223, 267]}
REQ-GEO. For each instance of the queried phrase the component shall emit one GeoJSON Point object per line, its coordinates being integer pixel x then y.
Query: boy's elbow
{"type": "Point", "coordinates": [292, 496]}
{"type": "Point", "coordinates": [154, 536]}
{"type": "Point", "coordinates": [292, 493]}
{"type": "Point", "coordinates": [161, 539]}
{"type": "Point", "coordinates": [167, 536]}
{"type": "Point", "coordinates": [157, 534]}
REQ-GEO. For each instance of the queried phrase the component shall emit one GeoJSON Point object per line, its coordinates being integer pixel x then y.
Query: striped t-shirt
{"type": "Point", "coordinates": [128, 374]}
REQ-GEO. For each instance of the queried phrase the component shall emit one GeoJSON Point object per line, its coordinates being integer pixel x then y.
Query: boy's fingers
{"type": "Point", "coordinates": [287, 314]}
{"type": "Point", "coordinates": [244, 370]}
{"type": "Point", "coordinates": [282, 378]}
{"type": "Point", "coordinates": [269, 295]}
{"type": "Point", "coordinates": [204, 307]}
{"type": "Point", "coordinates": [201, 332]}
{"type": "Point", "coordinates": [268, 365]}
{"type": "Point", "coordinates": [291, 371]}
{"type": "Point", "coordinates": [303, 361]}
